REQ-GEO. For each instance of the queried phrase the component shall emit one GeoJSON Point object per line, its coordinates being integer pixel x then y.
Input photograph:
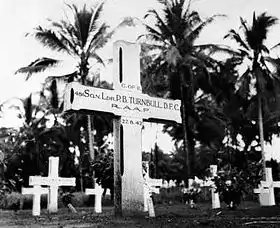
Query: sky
{"type": "Point", "coordinates": [18, 17]}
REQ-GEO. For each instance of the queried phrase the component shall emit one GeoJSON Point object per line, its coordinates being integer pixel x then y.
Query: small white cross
{"type": "Point", "coordinates": [148, 201]}
{"type": "Point", "coordinates": [36, 191]}
{"type": "Point", "coordinates": [97, 191]}
{"type": "Point", "coordinates": [53, 181]}
{"type": "Point", "coordinates": [214, 195]}
{"type": "Point", "coordinates": [266, 189]}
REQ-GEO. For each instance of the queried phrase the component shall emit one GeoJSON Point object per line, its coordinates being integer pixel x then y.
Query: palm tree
{"type": "Point", "coordinates": [80, 39]}
{"type": "Point", "coordinates": [178, 56]}
{"type": "Point", "coordinates": [258, 76]}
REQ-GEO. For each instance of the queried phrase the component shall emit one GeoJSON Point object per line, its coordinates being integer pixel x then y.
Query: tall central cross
{"type": "Point", "coordinates": [130, 107]}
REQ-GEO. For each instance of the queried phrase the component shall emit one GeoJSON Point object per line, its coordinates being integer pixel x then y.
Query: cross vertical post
{"type": "Point", "coordinates": [127, 78]}
{"type": "Point", "coordinates": [53, 194]}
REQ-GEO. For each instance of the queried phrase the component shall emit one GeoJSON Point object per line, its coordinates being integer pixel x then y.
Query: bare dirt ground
{"type": "Point", "coordinates": [249, 214]}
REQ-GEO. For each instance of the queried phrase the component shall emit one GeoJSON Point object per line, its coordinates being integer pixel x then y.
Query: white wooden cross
{"type": "Point", "coordinates": [97, 191]}
{"type": "Point", "coordinates": [53, 181]}
{"type": "Point", "coordinates": [266, 189]}
{"type": "Point", "coordinates": [148, 201]}
{"type": "Point", "coordinates": [214, 195]}
{"type": "Point", "coordinates": [36, 191]}
{"type": "Point", "coordinates": [130, 107]}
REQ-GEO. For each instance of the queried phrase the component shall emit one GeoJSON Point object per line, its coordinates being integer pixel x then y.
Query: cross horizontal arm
{"type": "Point", "coordinates": [121, 103]}
{"type": "Point", "coordinates": [60, 181]}
{"type": "Point", "coordinates": [32, 191]}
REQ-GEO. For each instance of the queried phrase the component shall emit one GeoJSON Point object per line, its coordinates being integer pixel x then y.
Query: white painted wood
{"type": "Point", "coordinates": [148, 201]}
{"type": "Point", "coordinates": [266, 189]}
{"type": "Point", "coordinates": [214, 195]}
{"type": "Point", "coordinates": [146, 196]}
{"type": "Point", "coordinates": [130, 108]}
{"type": "Point", "coordinates": [151, 208]}
{"type": "Point", "coordinates": [53, 181]}
{"type": "Point", "coordinates": [121, 103]}
{"type": "Point", "coordinates": [36, 191]}
{"type": "Point", "coordinates": [97, 191]}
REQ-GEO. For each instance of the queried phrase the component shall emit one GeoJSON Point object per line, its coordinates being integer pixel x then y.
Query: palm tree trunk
{"type": "Point", "coordinates": [260, 117]}
{"type": "Point", "coordinates": [185, 125]}
{"type": "Point", "coordinates": [90, 144]}
{"type": "Point", "coordinates": [81, 177]}
{"type": "Point", "coordinates": [84, 72]}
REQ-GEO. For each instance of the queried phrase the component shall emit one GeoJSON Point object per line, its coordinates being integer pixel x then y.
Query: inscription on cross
{"type": "Point", "coordinates": [130, 107]}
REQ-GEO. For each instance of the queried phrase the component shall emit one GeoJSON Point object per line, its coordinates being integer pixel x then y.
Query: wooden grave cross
{"type": "Point", "coordinates": [36, 191]}
{"type": "Point", "coordinates": [53, 181]}
{"type": "Point", "coordinates": [266, 189]}
{"type": "Point", "coordinates": [214, 195]}
{"type": "Point", "coordinates": [130, 107]}
{"type": "Point", "coordinates": [97, 191]}
{"type": "Point", "coordinates": [148, 201]}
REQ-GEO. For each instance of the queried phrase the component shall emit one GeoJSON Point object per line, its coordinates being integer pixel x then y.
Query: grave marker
{"type": "Point", "coordinates": [53, 181]}
{"type": "Point", "coordinates": [130, 107]}
{"type": "Point", "coordinates": [266, 189]}
{"type": "Point", "coordinates": [97, 191]}
{"type": "Point", "coordinates": [214, 195]}
{"type": "Point", "coordinates": [148, 201]}
{"type": "Point", "coordinates": [36, 191]}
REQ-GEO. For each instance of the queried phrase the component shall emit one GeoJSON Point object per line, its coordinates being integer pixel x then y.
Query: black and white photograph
{"type": "Point", "coordinates": [129, 113]}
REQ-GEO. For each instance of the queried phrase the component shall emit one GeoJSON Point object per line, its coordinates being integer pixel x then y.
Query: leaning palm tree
{"type": "Point", "coordinates": [260, 74]}
{"type": "Point", "coordinates": [81, 39]}
{"type": "Point", "coordinates": [176, 54]}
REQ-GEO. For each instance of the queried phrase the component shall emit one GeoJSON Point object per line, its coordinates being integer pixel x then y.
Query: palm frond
{"type": "Point", "coordinates": [259, 30]}
{"type": "Point", "coordinates": [76, 26]}
{"type": "Point", "coordinates": [164, 2]}
{"type": "Point", "coordinates": [72, 50]}
{"type": "Point", "coordinates": [82, 23]}
{"type": "Point", "coordinates": [215, 48]}
{"type": "Point", "coordinates": [275, 46]}
{"type": "Point", "coordinates": [64, 78]}
{"type": "Point", "coordinates": [244, 25]}
{"type": "Point", "coordinates": [160, 24]}
{"type": "Point", "coordinates": [95, 17]}
{"type": "Point", "coordinates": [153, 34]}
{"type": "Point", "coordinates": [49, 39]}
{"type": "Point", "coordinates": [194, 34]}
{"type": "Point", "coordinates": [95, 56]}
{"type": "Point", "coordinates": [71, 32]}
{"type": "Point", "coordinates": [232, 34]}
{"type": "Point", "coordinates": [39, 65]}
{"type": "Point", "coordinates": [99, 39]}
{"type": "Point", "coordinates": [66, 32]}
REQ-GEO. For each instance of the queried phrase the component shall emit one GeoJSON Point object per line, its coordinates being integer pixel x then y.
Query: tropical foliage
{"type": "Point", "coordinates": [81, 39]}
{"type": "Point", "coordinates": [184, 63]}
{"type": "Point", "coordinates": [260, 81]}
{"type": "Point", "coordinates": [227, 112]}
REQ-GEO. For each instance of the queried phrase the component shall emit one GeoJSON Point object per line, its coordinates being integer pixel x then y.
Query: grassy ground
{"type": "Point", "coordinates": [249, 214]}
